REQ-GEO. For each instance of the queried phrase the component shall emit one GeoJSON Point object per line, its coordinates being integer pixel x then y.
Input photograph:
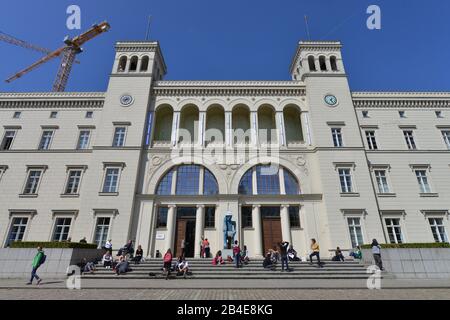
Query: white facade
{"type": "Point", "coordinates": [118, 165]}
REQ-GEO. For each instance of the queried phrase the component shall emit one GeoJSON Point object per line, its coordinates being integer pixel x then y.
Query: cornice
{"type": "Point", "coordinates": [46, 100]}
{"type": "Point", "coordinates": [229, 88]}
{"type": "Point", "coordinates": [401, 99]}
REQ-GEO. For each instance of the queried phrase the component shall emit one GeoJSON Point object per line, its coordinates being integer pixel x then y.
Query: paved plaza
{"type": "Point", "coordinates": [179, 289]}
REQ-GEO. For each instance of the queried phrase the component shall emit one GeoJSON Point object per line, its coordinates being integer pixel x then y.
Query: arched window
{"type": "Point", "coordinates": [268, 181]}
{"type": "Point", "coordinates": [144, 63]}
{"type": "Point", "coordinates": [241, 124]}
{"type": "Point", "coordinates": [333, 63]}
{"type": "Point", "coordinates": [210, 186]}
{"type": "Point", "coordinates": [322, 63]}
{"type": "Point", "coordinates": [290, 183]}
{"type": "Point", "coordinates": [163, 124]}
{"type": "Point", "coordinates": [215, 125]}
{"type": "Point", "coordinates": [312, 63]}
{"type": "Point", "coordinates": [188, 181]}
{"type": "Point", "coordinates": [246, 183]}
{"type": "Point", "coordinates": [188, 124]}
{"type": "Point", "coordinates": [122, 64]}
{"type": "Point", "coordinates": [133, 64]}
{"type": "Point", "coordinates": [292, 124]}
{"type": "Point", "coordinates": [266, 125]}
{"type": "Point", "coordinates": [165, 185]}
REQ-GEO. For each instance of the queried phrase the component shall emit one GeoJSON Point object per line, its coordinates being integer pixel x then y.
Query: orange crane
{"type": "Point", "coordinates": [68, 53]}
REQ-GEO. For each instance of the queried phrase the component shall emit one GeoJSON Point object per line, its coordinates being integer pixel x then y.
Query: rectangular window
{"type": "Point", "coordinates": [382, 183]}
{"type": "Point", "coordinates": [345, 178]}
{"type": "Point", "coordinates": [337, 137]}
{"type": "Point", "coordinates": [119, 136]}
{"type": "Point", "coordinates": [83, 139]}
{"type": "Point", "coordinates": [355, 229]}
{"type": "Point", "coordinates": [46, 139]}
{"type": "Point", "coordinates": [371, 140]}
{"type": "Point", "coordinates": [294, 216]}
{"type": "Point", "coordinates": [438, 114]}
{"type": "Point", "coordinates": [422, 179]}
{"type": "Point", "coordinates": [111, 182]}
{"type": "Point", "coordinates": [446, 136]}
{"type": "Point", "coordinates": [89, 114]}
{"type": "Point", "coordinates": [32, 183]}
{"type": "Point", "coordinates": [210, 217]}
{"type": "Point", "coordinates": [102, 231]}
{"type": "Point", "coordinates": [394, 230]}
{"type": "Point", "coordinates": [17, 115]}
{"type": "Point", "coordinates": [365, 114]}
{"type": "Point", "coordinates": [73, 182]}
{"type": "Point", "coordinates": [402, 114]}
{"type": "Point", "coordinates": [409, 138]}
{"type": "Point", "coordinates": [161, 222]}
{"type": "Point", "coordinates": [62, 228]}
{"type": "Point", "coordinates": [17, 230]}
{"type": "Point", "coordinates": [53, 115]}
{"type": "Point", "coordinates": [8, 139]}
{"type": "Point", "coordinates": [438, 229]}
{"type": "Point", "coordinates": [246, 213]}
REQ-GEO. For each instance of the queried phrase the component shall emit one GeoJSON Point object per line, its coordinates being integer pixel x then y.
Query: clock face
{"type": "Point", "coordinates": [331, 100]}
{"type": "Point", "coordinates": [126, 100]}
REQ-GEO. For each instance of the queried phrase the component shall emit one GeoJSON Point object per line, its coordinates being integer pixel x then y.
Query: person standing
{"type": "Point", "coordinates": [38, 260]}
{"type": "Point", "coordinates": [183, 246]}
{"type": "Point", "coordinates": [207, 248]}
{"type": "Point", "coordinates": [376, 251]}
{"type": "Point", "coordinates": [315, 252]}
{"type": "Point", "coordinates": [167, 263]}
{"type": "Point", "coordinates": [202, 248]}
{"type": "Point", "coordinates": [284, 245]}
{"type": "Point", "coordinates": [237, 254]}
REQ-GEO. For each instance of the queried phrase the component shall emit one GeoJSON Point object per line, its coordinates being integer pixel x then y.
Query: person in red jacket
{"type": "Point", "coordinates": [237, 254]}
{"type": "Point", "coordinates": [167, 263]}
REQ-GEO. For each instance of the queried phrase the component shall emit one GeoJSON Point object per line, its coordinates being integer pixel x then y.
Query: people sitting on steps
{"type": "Point", "coordinates": [268, 262]}
{"type": "Point", "coordinates": [182, 267]}
{"type": "Point", "coordinates": [87, 266]}
{"type": "Point", "coordinates": [338, 256]}
{"type": "Point", "coordinates": [218, 260]}
{"type": "Point", "coordinates": [274, 256]}
{"type": "Point", "coordinates": [315, 252]}
{"type": "Point", "coordinates": [245, 259]}
{"type": "Point", "coordinates": [122, 267]}
{"type": "Point", "coordinates": [356, 253]}
{"type": "Point", "coordinates": [107, 260]}
{"type": "Point", "coordinates": [292, 254]}
{"type": "Point", "coordinates": [138, 257]}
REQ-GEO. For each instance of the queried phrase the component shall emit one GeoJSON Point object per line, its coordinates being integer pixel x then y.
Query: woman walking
{"type": "Point", "coordinates": [376, 251]}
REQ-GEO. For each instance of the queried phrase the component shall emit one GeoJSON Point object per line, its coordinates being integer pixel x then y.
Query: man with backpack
{"type": "Point", "coordinates": [38, 260]}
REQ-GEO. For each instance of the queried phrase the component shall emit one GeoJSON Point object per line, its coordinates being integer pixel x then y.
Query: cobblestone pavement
{"type": "Point", "coordinates": [224, 294]}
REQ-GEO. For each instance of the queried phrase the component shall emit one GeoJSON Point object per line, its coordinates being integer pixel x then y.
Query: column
{"type": "Point", "coordinates": [175, 126]}
{"type": "Point", "coordinates": [306, 128]}
{"type": "Point", "coordinates": [201, 128]}
{"type": "Point", "coordinates": [199, 225]}
{"type": "Point", "coordinates": [257, 228]}
{"type": "Point", "coordinates": [285, 224]}
{"type": "Point", "coordinates": [328, 64]}
{"type": "Point", "coordinates": [280, 128]}
{"type": "Point", "coordinates": [228, 129]}
{"type": "Point", "coordinates": [171, 222]}
{"type": "Point", "coordinates": [145, 230]}
{"type": "Point", "coordinates": [254, 127]}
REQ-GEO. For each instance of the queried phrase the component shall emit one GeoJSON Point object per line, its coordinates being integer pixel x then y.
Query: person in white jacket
{"type": "Point", "coordinates": [107, 260]}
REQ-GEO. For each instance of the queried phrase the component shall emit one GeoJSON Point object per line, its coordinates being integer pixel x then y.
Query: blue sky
{"type": "Point", "coordinates": [237, 40]}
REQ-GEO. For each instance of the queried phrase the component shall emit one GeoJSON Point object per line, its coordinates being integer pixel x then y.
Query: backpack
{"type": "Point", "coordinates": [44, 257]}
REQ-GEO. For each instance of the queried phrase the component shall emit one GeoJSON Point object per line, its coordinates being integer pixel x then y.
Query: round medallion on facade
{"type": "Point", "coordinates": [126, 100]}
{"type": "Point", "coordinates": [331, 100]}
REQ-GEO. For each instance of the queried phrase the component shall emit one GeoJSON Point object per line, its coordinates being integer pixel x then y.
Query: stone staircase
{"type": "Point", "coordinates": [203, 269]}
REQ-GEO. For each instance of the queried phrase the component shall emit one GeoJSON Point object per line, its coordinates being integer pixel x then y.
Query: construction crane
{"type": "Point", "coordinates": [67, 53]}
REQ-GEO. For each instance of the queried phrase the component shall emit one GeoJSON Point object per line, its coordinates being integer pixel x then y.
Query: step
{"type": "Point", "coordinates": [225, 277]}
